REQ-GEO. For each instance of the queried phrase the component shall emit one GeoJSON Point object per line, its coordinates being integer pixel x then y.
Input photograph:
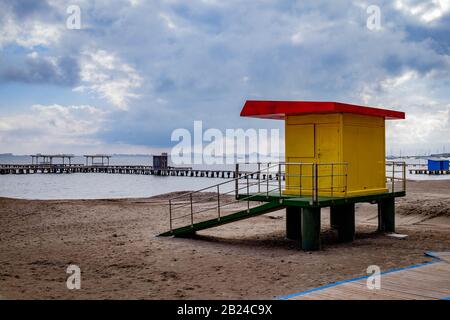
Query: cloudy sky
{"type": "Point", "coordinates": [137, 70]}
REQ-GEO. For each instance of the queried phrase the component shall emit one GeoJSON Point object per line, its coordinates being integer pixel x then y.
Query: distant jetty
{"type": "Point", "coordinates": [434, 167]}
{"type": "Point", "coordinates": [100, 163]}
{"type": "Point", "coordinates": [126, 169]}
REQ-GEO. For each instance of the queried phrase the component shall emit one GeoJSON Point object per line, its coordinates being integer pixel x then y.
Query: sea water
{"type": "Point", "coordinates": [109, 186]}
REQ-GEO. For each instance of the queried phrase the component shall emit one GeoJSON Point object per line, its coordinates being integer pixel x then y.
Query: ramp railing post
{"type": "Point", "coordinates": [236, 176]}
{"type": "Point", "coordinates": [393, 177]}
{"type": "Point", "coordinates": [300, 173]}
{"type": "Point", "coordinates": [316, 182]}
{"type": "Point", "coordinates": [312, 181]}
{"type": "Point", "coordinates": [332, 178]}
{"type": "Point", "coordinates": [259, 177]}
{"type": "Point", "coordinates": [279, 178]}
{"type": "Point", "coordinates": [346, 180]}
{"type": "Point", "coordinates": [192, 211]}
{"type": "Point", "coordinates": [170, 214]}
{"type": "Point", "coordinates": [404, 175]}
{"type": "Point", "coordinates": [218, 202]}
{"type": "Point", "coordinates": [248, 195]}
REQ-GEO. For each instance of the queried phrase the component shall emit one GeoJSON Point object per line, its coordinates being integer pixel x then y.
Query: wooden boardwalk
{"type": "Point", "coordinates": [428, 281]}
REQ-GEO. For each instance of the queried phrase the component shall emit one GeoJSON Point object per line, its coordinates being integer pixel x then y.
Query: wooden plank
{"type": "Point", "coordinates": [426, 282]}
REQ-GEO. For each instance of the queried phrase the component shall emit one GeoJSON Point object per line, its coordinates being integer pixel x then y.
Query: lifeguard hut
{"type": "Point", "coordinates": [347, 142]}
{"type": "Point", "coordinates": [335, 157]}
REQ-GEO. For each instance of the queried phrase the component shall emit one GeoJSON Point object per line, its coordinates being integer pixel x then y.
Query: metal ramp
{"type": "Point", "coordinates": [240, 215]}
{"type": "Point", "coordinates": [226, 202]}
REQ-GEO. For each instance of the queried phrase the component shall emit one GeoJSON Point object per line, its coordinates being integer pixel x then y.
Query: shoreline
{"type": "Point", "coordinates": [444, 182]}
{"type": "Point", "coordinates": [167, 194]}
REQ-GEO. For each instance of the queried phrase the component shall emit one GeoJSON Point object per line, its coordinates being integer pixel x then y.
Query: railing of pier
{"type": "Point", "coordinates": [306, 180]}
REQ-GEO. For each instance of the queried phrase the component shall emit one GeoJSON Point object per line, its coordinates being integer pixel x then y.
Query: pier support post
{"type": "Point", "coordinates": [310, 228]}
{"type": "Point", "coordinates": [293, 223]}
{"type": "Point", "coordinates": [343, 216]}
{"type": "Point", "coordinates": [386, 215]}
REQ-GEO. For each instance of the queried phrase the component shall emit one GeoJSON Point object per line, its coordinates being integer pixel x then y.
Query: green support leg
{"type": "Point", "coordinates": [293, 223]}
{"type": "Point", "coordinates": [344, 218]}
{"type": "Point", "coordinates": [386, 215]}
{"type": "Point", "coordinates": [310, 229]}
{"type": "Point", "coordinates": [334, 216]}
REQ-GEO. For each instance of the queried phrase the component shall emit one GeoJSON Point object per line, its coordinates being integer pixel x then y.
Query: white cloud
{"type": "Point", "coordinates": [310, 26]}
{"type": "Point", "coordinates": [402, 79]}
{"type": "Point", "coordinates": [47, 126]}
{"type": "Point", "coordinates": [426, 11]}
{"type": "Point", "coordinates": [105, 74]}
{"type": "Point", "coordinates": [424, 130]}
{"type": "Point", "coordinates": [427, 124]}
{"type": "Point", "coordinates": [134, 3]}
{"type": "Point", "coordinates": [28, 34]}
{"type": "Point", "coordinates": [61, 129]}
{"type": "Point", "coordinates": [297, 38]}
{"type": "Point", "coordinates": [176, 25]}
{"type": "Point", "coordinates": [168, 21]}
{"type": "Point", "coordinates": [69, 120]}
{"type": "Point", "coordinates": [210, 55]}
{"type": "Point", "coordinates": [409, 90]}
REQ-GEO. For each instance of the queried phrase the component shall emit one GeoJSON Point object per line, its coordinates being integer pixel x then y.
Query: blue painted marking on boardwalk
{"type": "Point", "coordinates": [334, 284]}
{"type": "Point", "coordinates": [448, 298]}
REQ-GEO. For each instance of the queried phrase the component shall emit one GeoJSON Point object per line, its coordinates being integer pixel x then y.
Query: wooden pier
{"type": "Point", "coordinates": [48, 158]}
{"type": "Point", "coordinates": [128, 169]}
{"type": "Point", "coordinates": [429, 172]}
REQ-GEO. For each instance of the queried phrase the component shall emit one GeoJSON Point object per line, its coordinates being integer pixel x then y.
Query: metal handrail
{"type": "Point", "coordinates": [244, 185]}
{"type": "Point", "coordinates": [390, 176]}
{"type": "Point", "coordinates": [218, 184]}
{"type": "Point", "coordinates": [187, 202]}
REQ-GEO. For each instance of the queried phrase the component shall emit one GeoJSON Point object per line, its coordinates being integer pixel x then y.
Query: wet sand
{"type": "Point", "coordinates": [114, 243]}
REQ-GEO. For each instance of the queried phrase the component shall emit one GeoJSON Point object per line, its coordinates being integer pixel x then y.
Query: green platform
{"type": "Point", "coordinates": [322, 202]}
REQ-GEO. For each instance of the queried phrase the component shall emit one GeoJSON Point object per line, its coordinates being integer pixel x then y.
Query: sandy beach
{"type": "Point", "coordinates": [114, 243]}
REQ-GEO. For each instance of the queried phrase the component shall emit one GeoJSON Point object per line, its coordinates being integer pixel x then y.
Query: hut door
{"type": "Point", "coordinates": [327, 155]}
{"type": "Point", "coordinates": [300, 148]}
{"type": "Point", "coordinates": [327, 143]}
{"type": "Point", "coordinates": [312, 143]}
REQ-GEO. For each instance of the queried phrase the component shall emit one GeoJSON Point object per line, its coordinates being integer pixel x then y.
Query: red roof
{"type": "Point", "coordinates": [280, 109]}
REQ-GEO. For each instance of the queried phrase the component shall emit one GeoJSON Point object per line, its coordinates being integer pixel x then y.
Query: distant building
{"type": "Point", "coordinates": [434, 165]}
{"type": "Point", "coordinates": [160, 162]}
